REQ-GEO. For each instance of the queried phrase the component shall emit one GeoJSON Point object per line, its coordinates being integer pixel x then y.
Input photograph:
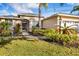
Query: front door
{"type": "Point", "coordinates": [25, 25]}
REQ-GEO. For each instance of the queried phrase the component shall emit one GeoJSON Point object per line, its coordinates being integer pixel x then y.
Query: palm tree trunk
{"type": "Point", "coordinates": [39, 16]}
{"type": "Point", "coordinates": [60, 24]}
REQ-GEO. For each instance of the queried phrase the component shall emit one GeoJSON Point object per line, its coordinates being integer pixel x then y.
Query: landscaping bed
{"type": "Point", "coordinates": [63, 39]}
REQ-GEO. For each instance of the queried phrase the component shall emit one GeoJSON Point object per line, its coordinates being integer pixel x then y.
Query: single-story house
{"type": "Point", "coordinates": [27, 20]}
{"type": "Point", "coordinates": [54, 20]}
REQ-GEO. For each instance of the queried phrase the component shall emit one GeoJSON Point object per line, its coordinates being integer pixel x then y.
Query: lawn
{"type": "Point", "coordinates": [35, 48]}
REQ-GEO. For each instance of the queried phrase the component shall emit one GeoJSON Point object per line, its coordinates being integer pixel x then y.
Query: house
{"type": "Point", "coordinates": [26, 20]}
{"type": "Point", "coordinates": [54, 20]}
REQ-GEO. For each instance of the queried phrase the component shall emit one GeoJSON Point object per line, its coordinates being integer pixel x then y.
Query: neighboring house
{"type": "Point", "coordinates": [54, 20]}
{"type": "Point", "coordinates": [27, 21]}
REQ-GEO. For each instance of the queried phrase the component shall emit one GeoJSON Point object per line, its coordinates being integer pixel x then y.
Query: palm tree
{"type": "Point", "coordinates": [40, 5]}
{"type": "Point", "coordinates": [45, 5]}
{"type": "Point", "coordinates": [61, 4]}
{"type": "Point", "coordinates": [67, 29]}
{"type": "Point", "coordinates": [75, 8]}
{"type": "Point", "coordinates": [5, 25]}
{"type": "Point", "coordinates": [5, 28]}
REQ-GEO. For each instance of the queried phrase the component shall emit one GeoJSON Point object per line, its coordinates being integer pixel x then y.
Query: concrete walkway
{"type": "Point", "coordinates": [27, 35]}
{"type": "Point", "coordinates": [36, 37]}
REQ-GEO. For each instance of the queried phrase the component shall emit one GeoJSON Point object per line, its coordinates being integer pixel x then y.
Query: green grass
{"type": "Point", "coordinates": [36, 48]}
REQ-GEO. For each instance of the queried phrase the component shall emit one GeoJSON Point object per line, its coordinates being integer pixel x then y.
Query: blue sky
{"type": "Point", "coordinates": [17, 8]}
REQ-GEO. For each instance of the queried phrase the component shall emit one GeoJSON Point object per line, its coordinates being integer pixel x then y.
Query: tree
{"type": "Point", "coordinates": [40, 5]}
{"type": "Point", "coordinates": [75, 8]}
{"type": "Point", "coordinates": [5, 28]}
{"type": "Point", "coordinates": [17, 29]}
{"type": "Point", "coordinates": [5, 25]}
{"type": "Point", "coordinates": [45, 5]}
{"type": "Point", "coordinates": [67, 29]}
{"type": "Point", "coordinates": [61, 4]}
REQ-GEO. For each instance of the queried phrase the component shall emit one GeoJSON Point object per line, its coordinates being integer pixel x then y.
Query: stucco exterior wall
{"type": "Point", "coordinates": [69, 19]}
{"type": "Point", "coordinates": [49, 23]}
{"type": "Point", "coordinates": [16, 21]}
{"type": "Point", "coordinates": [2, 20]}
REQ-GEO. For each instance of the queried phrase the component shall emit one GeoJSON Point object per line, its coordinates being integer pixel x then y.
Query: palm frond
{"type": "Point", "coordinates": [75, 8]}
{"type": "Point", "coordinates": [45, 5]}
{"type": "Point", "coordinates": [61, 4]}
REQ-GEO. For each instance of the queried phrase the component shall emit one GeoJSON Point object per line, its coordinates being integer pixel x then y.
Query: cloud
{"type": "Point", "coordinates": [32, 5]}
{"type": "Point", "coordinates": [4, 12]}
{"type": "Point", "coordinates": [4, 9]}
{"type": "Point", "coordinates": [14, 14]}
{"type": "Point", "coordinates": [23, 7]}
{"type": "Point", "coordinates": [16, 8]}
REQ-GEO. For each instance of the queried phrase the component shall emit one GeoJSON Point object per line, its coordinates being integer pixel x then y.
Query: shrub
{"type": "Point", "coordinates": [37, 31]}
{"type": "Point", "coordinates": [53, 35]}
{"type": "Point", "coordinates": [17, 29]}
{"type": "Point", "coordinates": [6, 33]}
{"type": "Point", "coordinates": [4, 40]}
{"type": "Point", "coordinates": [50, 33]}
{"type": "Point", "coordinates": [5, 28]}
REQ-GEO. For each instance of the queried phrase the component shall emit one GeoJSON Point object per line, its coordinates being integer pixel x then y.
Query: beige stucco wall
{"type": "Point", "coordinates": [2, 20]}
{"type": "Point", "coordinates": [13, 21]}
{"type": "Point", "coordinates": [70, 18]}
{"type": "Point", "coordinates": [16, 21]}
{"type": "Point", "coordinates": [49, 23]}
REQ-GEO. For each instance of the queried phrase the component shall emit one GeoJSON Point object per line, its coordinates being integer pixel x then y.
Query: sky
{"type": "Point", "coordinates": [53, 8]}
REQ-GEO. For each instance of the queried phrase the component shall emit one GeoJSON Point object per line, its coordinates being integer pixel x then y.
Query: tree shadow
{"type": "Point", "coordinates": [7, 40]}
{"type": "Point", "coordinates": [4, 41]}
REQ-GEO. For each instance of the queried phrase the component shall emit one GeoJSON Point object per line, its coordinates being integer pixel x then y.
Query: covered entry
{"type": "Point", "coordinates": [25, 25]}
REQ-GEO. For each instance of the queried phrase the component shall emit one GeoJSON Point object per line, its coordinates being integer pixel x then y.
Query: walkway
{"type": "Point", "coordinates": [27, 35]}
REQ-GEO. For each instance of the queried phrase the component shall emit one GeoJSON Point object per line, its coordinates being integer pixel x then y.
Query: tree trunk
{"type": "Point", "coordinates": [39, 16]}
{"type": "Point", "coordinates": [60, 25]}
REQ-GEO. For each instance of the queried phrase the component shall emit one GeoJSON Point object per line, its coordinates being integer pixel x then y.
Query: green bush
{"type": "Point", "coordinates": [65, 38]}
{"type": "Point", "coordinates": [17, 29]}
{"type": "Point", "coordinates": [6, 33]}
{"type": "Point", "coordinates": [4, 40]}
{"type": "Point", "coordinates": [53, 35]}
{"type": "Point", "coordinates": [50, 33]}
{"type": "Point", "coordinates": [74, 37]}
{"type": "Point", "coordinates": [5, 28]}
{"type": "Point", "coordinates": [37, 31]}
